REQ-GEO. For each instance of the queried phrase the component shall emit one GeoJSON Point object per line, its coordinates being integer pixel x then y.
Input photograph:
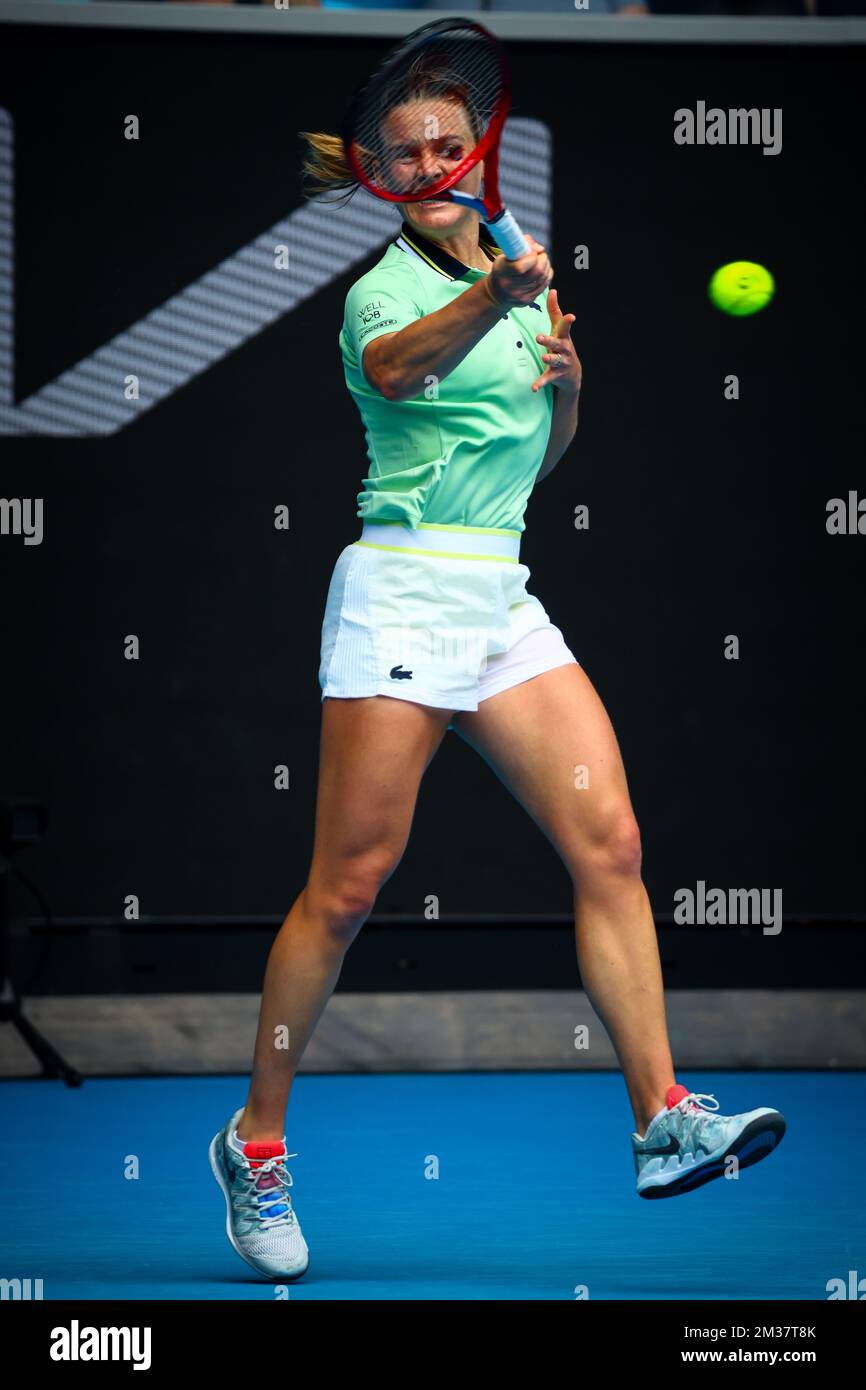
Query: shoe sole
{"type": "Point", "coordinates": [216, 1169]}
{"type": "Point", "coordinates": [757, 1141]}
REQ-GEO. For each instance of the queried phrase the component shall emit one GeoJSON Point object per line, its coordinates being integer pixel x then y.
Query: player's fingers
{"type": "Point", "coordinates": [530, 260]}
{"type": "Point", "coordinates": [538, 256]}
{"type": "Point", "coordinates": [562, 329]}
{"type": "Point", "coordinates": [558, 344]}
{"type": "Point", "coordinates": [539, 268]}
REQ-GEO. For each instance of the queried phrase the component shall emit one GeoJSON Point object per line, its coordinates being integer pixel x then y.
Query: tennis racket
{"type": "Point", "coordinates": [428, 115]}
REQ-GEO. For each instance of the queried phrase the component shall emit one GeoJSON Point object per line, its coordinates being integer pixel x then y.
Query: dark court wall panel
{"type": "Point", "coordinates": [707, 517]}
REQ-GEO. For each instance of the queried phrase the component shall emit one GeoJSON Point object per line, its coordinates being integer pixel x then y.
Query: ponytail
{"type": "Point", "coordinates": [325, 169]}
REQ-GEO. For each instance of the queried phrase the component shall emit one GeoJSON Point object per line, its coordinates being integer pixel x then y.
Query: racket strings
{"type": "Point", "coordinates": [427, 111]}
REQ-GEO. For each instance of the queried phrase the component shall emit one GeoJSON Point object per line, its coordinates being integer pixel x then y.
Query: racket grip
{"type": "Point", "coordinates": [508, 236]}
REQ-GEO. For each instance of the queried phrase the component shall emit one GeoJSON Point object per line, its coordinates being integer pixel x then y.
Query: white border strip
{"type": "Point", "coordinates": [543, 28]}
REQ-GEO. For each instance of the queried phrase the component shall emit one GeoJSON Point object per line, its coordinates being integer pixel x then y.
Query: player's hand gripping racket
{"type": "Point", "coordinates": [429, 114]}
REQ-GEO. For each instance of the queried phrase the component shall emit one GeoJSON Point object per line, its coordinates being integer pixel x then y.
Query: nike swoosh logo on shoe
{"type": "Point", "coordinates": [672, 1147]}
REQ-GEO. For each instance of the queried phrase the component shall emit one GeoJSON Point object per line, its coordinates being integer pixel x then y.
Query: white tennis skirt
{"type": "Point", "coordinates": [438, 615]}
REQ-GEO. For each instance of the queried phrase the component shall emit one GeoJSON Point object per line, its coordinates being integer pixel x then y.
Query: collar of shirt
{"type": "Point", "coordinates": [439, 259]}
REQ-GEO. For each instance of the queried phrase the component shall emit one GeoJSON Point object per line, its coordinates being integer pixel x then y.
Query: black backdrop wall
{"type": "Point", "coordinates": [707, 516]}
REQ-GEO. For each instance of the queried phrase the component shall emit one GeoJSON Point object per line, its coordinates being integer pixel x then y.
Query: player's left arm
{"type": "Point", "coordinates": [566, 374]}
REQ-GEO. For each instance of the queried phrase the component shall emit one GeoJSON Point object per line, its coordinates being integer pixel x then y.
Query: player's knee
{"type": "Point", "coordinates": [340, 905]}
{"type": "Point", "coordinates": [612, 851]}
{"type": "Point", "coordinates": [623, 846]}
{"type": "Point", "coordinates": [337, 914]}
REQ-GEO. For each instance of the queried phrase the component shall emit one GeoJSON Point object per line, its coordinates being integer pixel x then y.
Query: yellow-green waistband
{"type": "Point", "coordinates": [469, 542]}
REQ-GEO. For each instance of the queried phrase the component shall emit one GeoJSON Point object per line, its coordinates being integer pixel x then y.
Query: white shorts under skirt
{"type": "Point", "coordinates": [439, 615]}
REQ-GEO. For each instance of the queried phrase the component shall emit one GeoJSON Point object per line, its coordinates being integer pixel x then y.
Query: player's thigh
{"type": "Point", "coordinates": [551, 742]}
{"type": "Point", "coordinates": [373, 753]}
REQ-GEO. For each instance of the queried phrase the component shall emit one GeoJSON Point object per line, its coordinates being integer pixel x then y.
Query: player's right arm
{"type": "Point", "coordinates": [399, 364]}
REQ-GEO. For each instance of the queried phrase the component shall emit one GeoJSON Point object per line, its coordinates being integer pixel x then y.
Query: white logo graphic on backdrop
{"type": "Point", "coordinates": [230, 304]}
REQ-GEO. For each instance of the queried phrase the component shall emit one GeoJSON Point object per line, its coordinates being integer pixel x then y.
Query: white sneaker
{"type": "Point", "coordinates": [688, 1145]}
{"type": "Point", "coordinates": [260, 1221]}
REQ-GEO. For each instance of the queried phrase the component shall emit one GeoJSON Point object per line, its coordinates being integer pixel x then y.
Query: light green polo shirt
{"type": "Point", "coordinates": [466, 450]}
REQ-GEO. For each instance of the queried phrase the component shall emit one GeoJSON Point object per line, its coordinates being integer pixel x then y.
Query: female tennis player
{"type": "Point", "coordinates": [462, 367]}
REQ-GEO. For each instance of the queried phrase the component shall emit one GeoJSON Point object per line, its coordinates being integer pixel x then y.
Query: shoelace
{"type": "Point", "coordinates": [692, 1108]}
{"type": "Point", "coordinates": [259, 1199]}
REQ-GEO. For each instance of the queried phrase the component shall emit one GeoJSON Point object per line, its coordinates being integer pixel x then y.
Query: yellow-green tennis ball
{"type": "Point", "coordinates": [741, 288]}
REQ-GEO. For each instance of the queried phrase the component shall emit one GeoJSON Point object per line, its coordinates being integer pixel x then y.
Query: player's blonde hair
{"type": "Point", "coordinates": [325, 170]}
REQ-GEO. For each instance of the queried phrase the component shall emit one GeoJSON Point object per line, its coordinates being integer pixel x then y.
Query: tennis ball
{"type": "Point", "coordinates": [741, 288]}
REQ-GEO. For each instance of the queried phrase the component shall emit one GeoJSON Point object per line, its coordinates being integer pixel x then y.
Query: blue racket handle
{"type": "Point", "coordinates": [508, 236]}
{"type": "Point", "coordinates": [503, 228]}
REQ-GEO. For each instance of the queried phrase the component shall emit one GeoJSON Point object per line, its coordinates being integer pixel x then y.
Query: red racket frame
{"type": "Point", "coordinates": [487, 148]}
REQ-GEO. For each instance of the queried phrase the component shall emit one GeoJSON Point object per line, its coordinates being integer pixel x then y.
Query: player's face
{"type": "Point", "coordinates": [424, 141]}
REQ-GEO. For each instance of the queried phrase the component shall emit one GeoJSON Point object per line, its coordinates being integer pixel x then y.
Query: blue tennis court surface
{"type": "Point", "coordinates": [535, 1194]}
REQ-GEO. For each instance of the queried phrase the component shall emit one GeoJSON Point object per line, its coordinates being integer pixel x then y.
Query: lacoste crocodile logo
{"type": "Point", "coordinates": [398, 674]}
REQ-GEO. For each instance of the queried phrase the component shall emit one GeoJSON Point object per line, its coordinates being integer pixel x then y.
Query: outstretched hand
{"type": "Point", "coordinates": [563, 364]}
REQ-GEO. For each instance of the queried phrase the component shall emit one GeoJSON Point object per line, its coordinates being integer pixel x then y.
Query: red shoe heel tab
{"type": "Point", "coordinates": [264, 1149]}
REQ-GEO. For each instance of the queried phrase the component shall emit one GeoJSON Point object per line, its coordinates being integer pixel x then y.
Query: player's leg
{"type": "Point", "coordinates": [539, 736]}
{"type": "Point", "coordinates": [536, 736]}
{"type": "Point", "coordinates": [373, 754]}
